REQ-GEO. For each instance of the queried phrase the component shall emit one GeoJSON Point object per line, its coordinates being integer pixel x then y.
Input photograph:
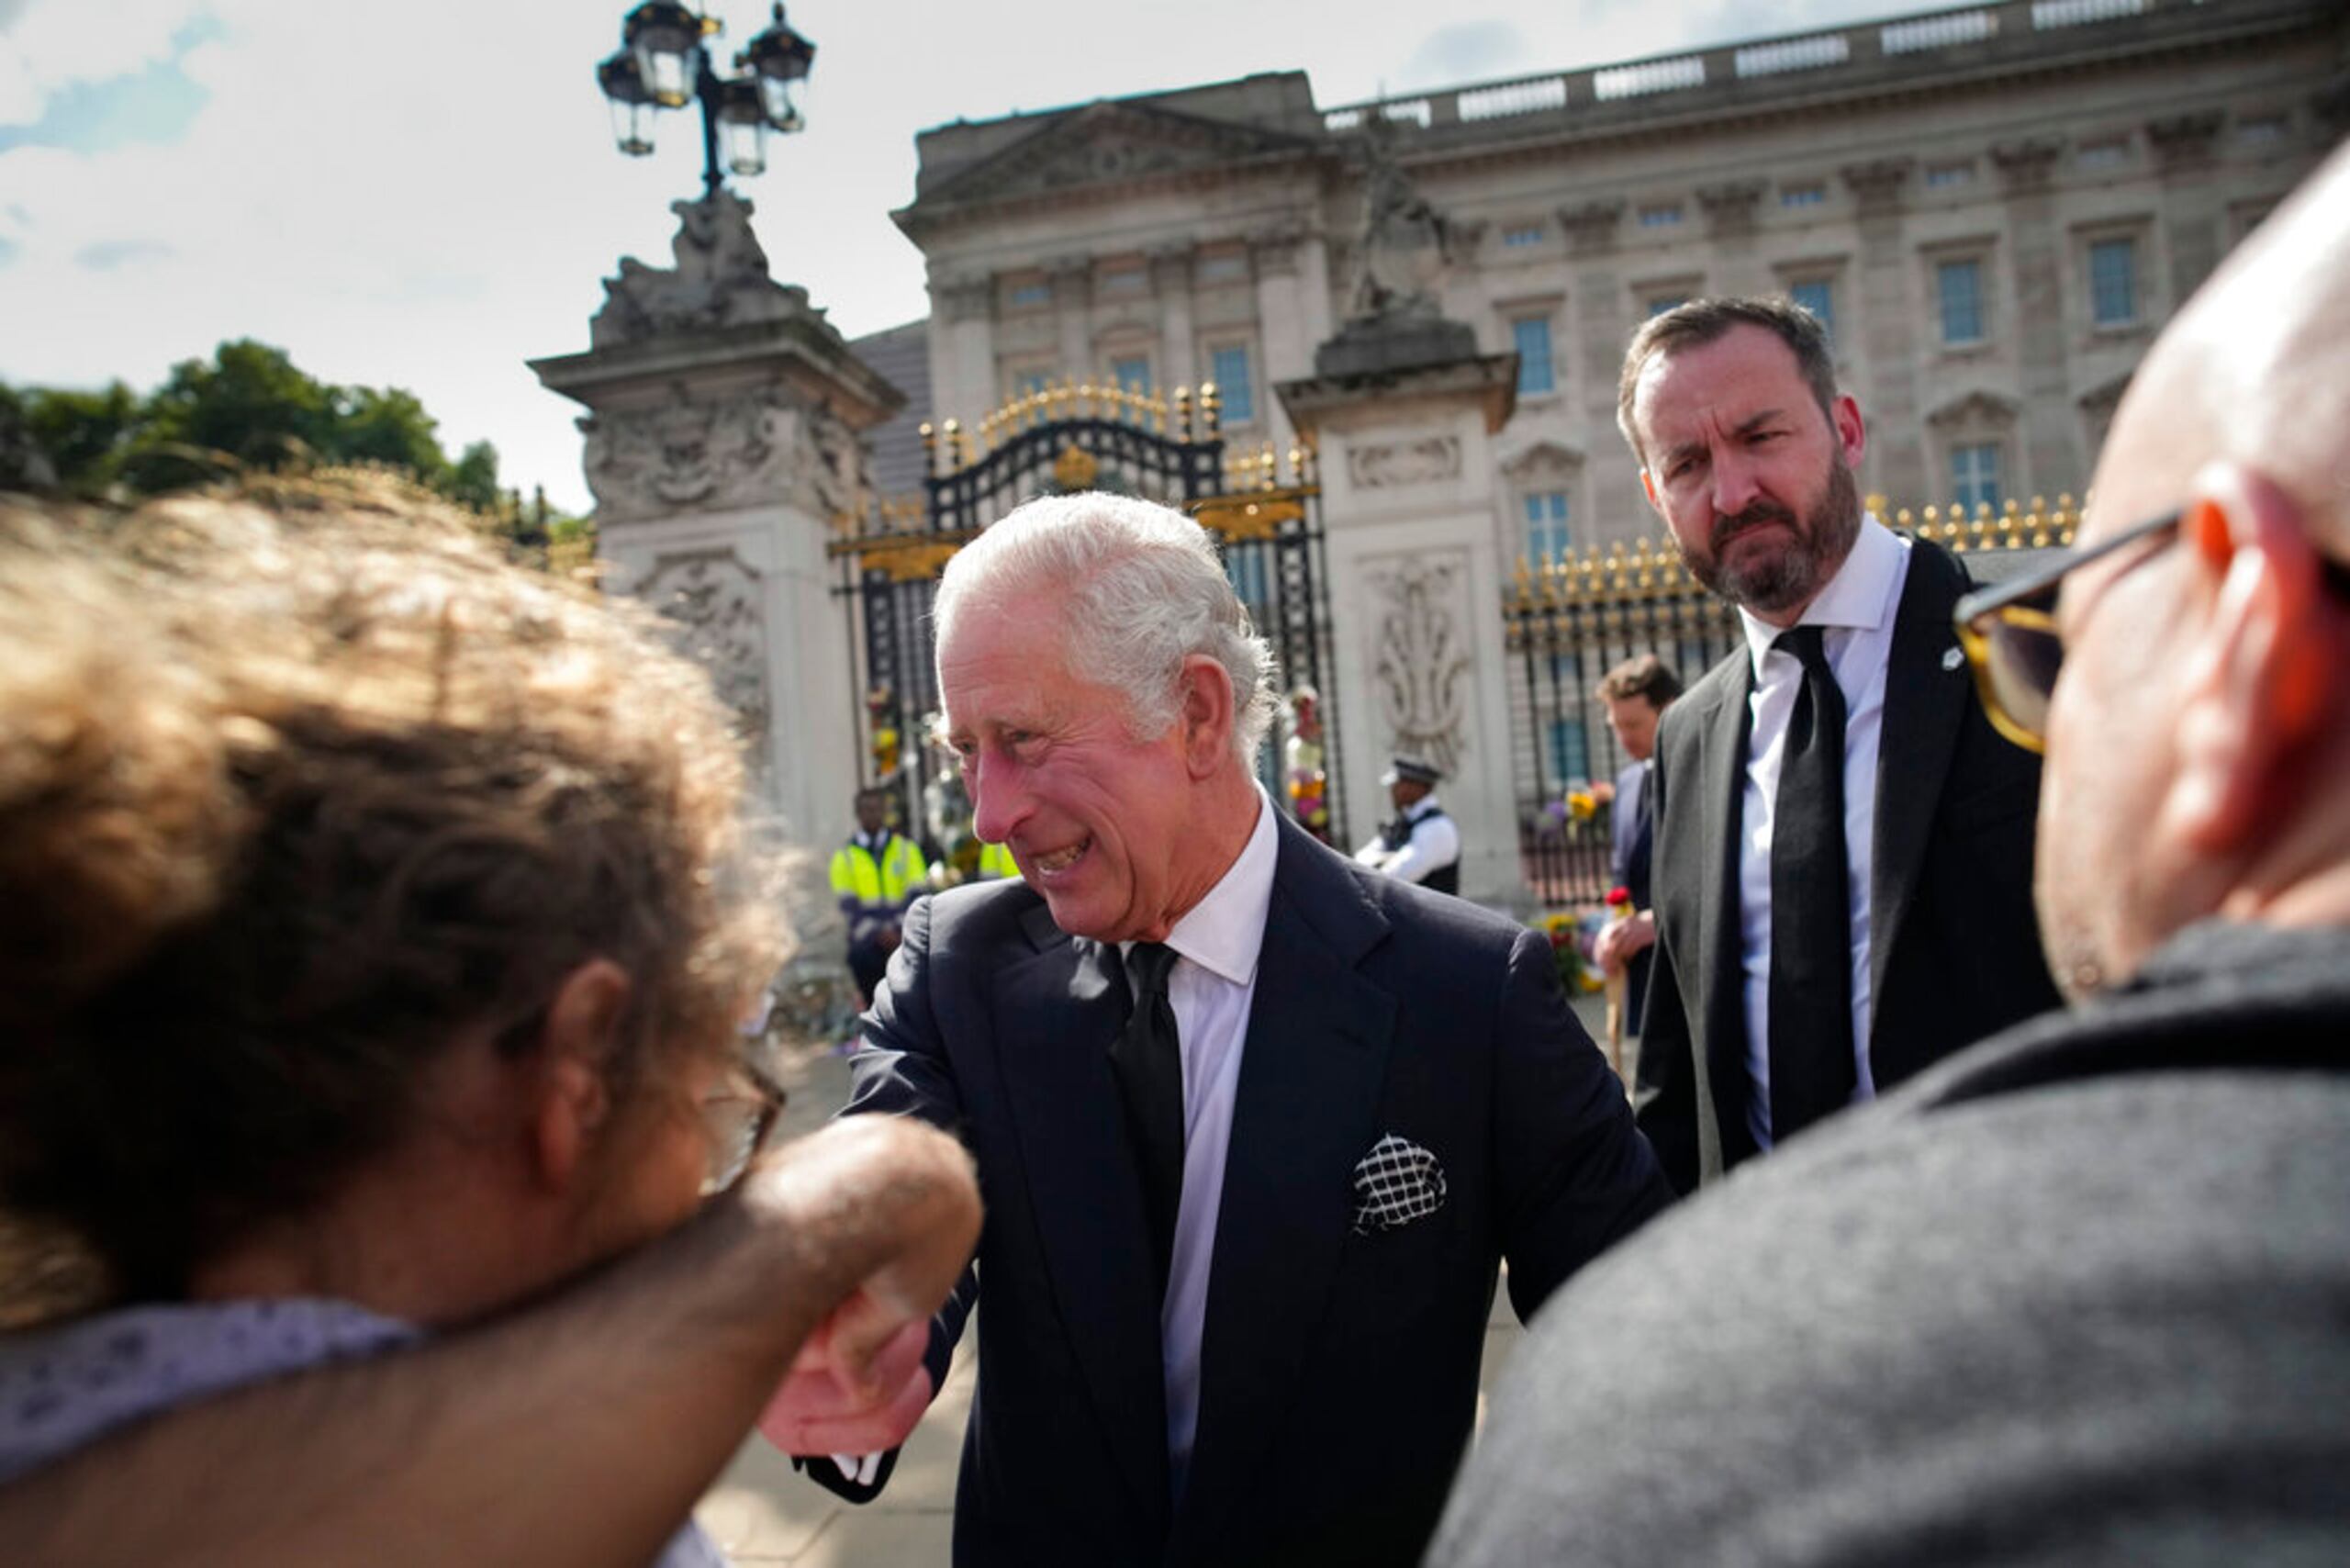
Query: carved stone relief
{"type": "Point", "coordinates": [716, 600]}
{"type": "Point", "coordinates": [1420, 655]}
{"type": "Point", "coordinates": [682, 456]}
{"type": "Point", "coordinates": [1401, 465]}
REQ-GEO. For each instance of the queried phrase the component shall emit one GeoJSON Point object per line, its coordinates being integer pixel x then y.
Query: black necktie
{"type": "Point", "coordinates": [1811, 916]}
{"type": "Point", "coordinates": [1146, 1060]}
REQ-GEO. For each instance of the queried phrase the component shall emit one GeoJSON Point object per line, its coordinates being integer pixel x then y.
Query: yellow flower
{"type": "Point", "coordinates": [1582, 805]}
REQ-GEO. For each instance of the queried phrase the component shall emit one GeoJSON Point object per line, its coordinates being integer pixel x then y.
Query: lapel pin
{"type": "Point", "coordinates": [1952, 659]}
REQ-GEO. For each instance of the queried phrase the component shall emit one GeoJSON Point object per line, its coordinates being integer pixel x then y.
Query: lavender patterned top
{"type": "Point", "coordinates": [64, 1388]}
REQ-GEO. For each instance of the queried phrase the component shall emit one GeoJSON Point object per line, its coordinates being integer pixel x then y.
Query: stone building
{"type": "Point", "coordinates": [1993, 207]}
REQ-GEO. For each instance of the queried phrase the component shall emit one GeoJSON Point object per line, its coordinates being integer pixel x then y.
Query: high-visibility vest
{"type": "Point", "coordinates": [858, 874]}
{"type": "Point", "coordinates": [995, 860]}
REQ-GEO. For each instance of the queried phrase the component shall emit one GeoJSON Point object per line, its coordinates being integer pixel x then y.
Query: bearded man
{"type": "Point", "coordinates": [1843, 848]}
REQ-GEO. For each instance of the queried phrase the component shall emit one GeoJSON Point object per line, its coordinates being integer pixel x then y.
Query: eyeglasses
{"type": "Point", "coordinates": [2010, 635]}
{"type": "Point", "coordinates": [737, 1120]}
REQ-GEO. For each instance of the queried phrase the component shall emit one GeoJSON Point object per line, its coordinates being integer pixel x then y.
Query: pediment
{"type": "Point", "coordinates": [1542, 457]}
{"type": "Point", "coordinates": [1976, 411]}
{"type": "Point", "coordinates": [1111, 145]}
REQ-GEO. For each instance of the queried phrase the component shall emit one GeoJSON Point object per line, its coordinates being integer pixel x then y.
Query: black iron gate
{"type": "Point", "coordinates": [1064, 439]}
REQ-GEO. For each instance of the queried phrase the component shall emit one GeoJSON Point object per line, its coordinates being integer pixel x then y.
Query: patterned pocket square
{"type": "Point", "coordinates": [1397, 1182]}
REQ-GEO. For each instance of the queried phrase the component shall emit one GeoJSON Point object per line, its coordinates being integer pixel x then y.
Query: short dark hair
{"type": "Point", "coordinates": [1701, 321]}
{"type": "Point", "coordinates": [1643, 675]}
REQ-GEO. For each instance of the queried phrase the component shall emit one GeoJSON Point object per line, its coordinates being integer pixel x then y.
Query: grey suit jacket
{"type": "Point", "coordinates": [1954, 942]}
{"type": "Point", "coordinates": [1340, 1372]}
{"type": "Point", "coordinates": [2073, 1297]}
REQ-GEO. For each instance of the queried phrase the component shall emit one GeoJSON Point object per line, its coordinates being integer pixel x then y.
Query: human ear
{"type": "Point", "coordinates": [2259, 675]}
{"type": "Point", "coordinates": [1207, 715]}
{"type": "Point", "coordinates": [575, 1047]}
{"type": "Point", "coordinates": [1852, 433]}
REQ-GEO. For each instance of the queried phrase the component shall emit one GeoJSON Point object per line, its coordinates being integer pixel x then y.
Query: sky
{"type": "Point", "coordinates": [426, 196]}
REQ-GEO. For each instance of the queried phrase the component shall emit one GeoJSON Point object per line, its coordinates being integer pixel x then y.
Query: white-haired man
{"type": "Point", "coordinates": [1255, 1124]}
{"type": "Point", "coordinates": [2077, 1295]}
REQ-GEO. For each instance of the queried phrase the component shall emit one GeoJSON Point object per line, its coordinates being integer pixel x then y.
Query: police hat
{"type": "Point", "coordinates": [1411, 770]}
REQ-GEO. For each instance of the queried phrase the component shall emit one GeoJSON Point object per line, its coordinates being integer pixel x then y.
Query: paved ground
{"type": "Point", "coordinates": [762, 1512]}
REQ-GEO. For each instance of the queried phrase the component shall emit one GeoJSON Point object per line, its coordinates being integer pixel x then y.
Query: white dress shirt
{"type": "Point", "coordinates": [1210, 987]}
{"type": "Point", "coordinates": [1856, 613]}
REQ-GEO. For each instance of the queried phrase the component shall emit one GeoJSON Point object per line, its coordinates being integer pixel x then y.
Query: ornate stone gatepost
{"type": "Point", "coordinates": [722, 444]}
{"type": "Point", "coordinates": [1401, 410]}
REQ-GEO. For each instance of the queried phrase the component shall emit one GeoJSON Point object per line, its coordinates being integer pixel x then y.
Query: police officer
{"type": "Point", "coordinates": [1420, 844]}
{"type": "Point", "coordinates": [874, 875]}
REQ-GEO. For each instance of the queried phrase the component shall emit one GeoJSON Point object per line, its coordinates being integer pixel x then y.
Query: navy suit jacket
{"type": "Point", "coordinates": [1953, 944]}
{"type": "Point", "coordinates": [1339, 1375]}
{"type": "Point", "coordinates": [1634, 822]}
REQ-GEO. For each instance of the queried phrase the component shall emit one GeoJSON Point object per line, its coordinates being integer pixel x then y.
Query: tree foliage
{"type": "Point", "coordinates": [249, 407]}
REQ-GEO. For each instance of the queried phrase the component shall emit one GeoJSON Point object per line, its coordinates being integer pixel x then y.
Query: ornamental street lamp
{"type": "Point", "coordinates": [663, 64]}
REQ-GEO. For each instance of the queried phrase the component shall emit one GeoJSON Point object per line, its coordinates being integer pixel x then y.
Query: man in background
{"type": "Point", "coordinates": [1843, 844]}
{"type": "Point", "coordinates": [876, 875]}
{"type": "Point", "coordinates": [1637, 693]}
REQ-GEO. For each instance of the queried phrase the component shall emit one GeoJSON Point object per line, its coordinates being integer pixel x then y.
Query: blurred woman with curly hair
{"type": "Point", "coordinates": [374, 920]}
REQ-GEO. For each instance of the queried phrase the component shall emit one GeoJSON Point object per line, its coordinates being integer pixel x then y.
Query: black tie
{"type": "Point", "coordinates": [1147, 1059]}
{"type": "Point", "coordinates": [1811, 916]}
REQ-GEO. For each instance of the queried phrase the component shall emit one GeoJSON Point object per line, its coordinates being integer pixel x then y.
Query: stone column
{"type": "Point", "coordinates": [1603, 328]}
{"type": "Point", "coordinates": [1072, 319]}
{"type": "Point", "coordinates": [1280, 326]}
{"type": "Point", "coordinates": [1404, 428]}
{"type": "Point", "coordinates": [1729, 219]}
{"type": "Point", "coordinates": [2051, 460]}
{"type": "Point", "coordinates": [962, 349]}
{"type": "Point", "coordinates": [1170, 277]}
{"type": "Point", "coordinates": [1896, 463]}
{"type": "Point", "coordinates": [2194, 204]}
{"type": "Point", "coordinates": [723, 449]}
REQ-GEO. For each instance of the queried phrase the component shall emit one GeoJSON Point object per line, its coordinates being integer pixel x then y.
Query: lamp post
{"type": "Point", "coordinates": [663, 63]}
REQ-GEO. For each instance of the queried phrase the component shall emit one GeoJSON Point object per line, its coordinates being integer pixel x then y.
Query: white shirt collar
{"type": "Point", "coordinates": [1862, 596]}
{"type": "Point", "coordinates": [1225, 931]}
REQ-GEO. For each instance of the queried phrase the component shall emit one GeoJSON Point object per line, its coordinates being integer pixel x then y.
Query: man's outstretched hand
{"type": "Point", "coordinates": [833, 1404]}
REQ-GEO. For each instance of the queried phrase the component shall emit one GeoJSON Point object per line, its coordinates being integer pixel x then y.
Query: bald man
{"type": "Point", "coordinates": [2076, 1294]}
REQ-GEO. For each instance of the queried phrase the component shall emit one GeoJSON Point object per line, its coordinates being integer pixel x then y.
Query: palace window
{"type": "Point", "coordinates": [1661, 215]}
{"type": "Point", "coordinates": [1025, 296]}
{"type": "Point", "coordinates": [1124, 280]}
{"type": "Point", "coordinates": [1661, 303]}
{"type": "Point", "coordinates": [1530, 335]}
{"type": "Point", "coordinates": [1941, 176]}
{"type": "Point", "coordinates": [2107, 153]}
{"type": "Point", "coordinates": [1030, 380]}
{"type": "Point", "coordinates": [1975, 475]}
{"type": "Point", "coordinates": [1813, 194]}
{"type": "Point", "coordinates": [2113, 281]}
{"type": "Point", "coordinates": [1547, 533]}
{"type": "Point", "coordinates": [1132, 373]}
{"type": "Point", "coordinates": [1228, 368]}
{"type": "Point", "coordinates": [1522, 235]}
{"type": "Point", "coordinates": [1958, 285]}
{"type": "Point", "coordinates": [1223, 266]}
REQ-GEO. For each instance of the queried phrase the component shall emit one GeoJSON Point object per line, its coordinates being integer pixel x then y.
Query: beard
{"type": "Point", "coordinates": [1790, 576]}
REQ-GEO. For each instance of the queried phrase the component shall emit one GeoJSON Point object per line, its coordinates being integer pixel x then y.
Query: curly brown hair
{"type": "Point", "coordinates": [298, 785]}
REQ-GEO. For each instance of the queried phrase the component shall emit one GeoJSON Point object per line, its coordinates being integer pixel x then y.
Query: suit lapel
{"type": "Point", "coordinates": [1306, 1109]}
{"type": "Point", "coordinates": [1721, 956]}
{"type": "Point", "coordinates": [1059, 1010]}
{"type": "Point", "coordinates": [1926, 693]}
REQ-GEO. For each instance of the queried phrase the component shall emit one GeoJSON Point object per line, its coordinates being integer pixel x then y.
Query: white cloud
{"type": "Point", "coordinates": [50, 44]}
